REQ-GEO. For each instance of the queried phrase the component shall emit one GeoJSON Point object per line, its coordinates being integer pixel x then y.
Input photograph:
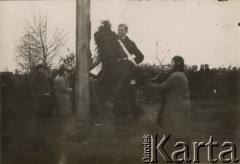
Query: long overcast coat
{"type": "Point", "coordinates": [62, 96]}
{"type": "Point", "coordinates": [177, 108]}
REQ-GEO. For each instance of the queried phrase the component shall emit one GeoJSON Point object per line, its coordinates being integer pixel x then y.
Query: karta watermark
{"type": "Point", "coordinates": [154, 148]}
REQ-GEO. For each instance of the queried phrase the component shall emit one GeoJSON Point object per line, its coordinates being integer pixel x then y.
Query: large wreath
{"type": "Point", "coordinates": [108, 47]}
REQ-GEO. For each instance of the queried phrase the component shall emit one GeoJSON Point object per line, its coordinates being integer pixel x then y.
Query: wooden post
{"type": "Point", "coordinates": [82, 53]}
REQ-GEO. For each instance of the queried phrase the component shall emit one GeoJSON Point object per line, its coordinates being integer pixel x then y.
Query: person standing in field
{"type": "Point", "coordinates": [41, 89]}
{"type": "Point", "coordinates": [175, 112]}
{"type": "Point", "coordinates": [62, 94]}
{"type": "Point", "coordinates": [127, 100]}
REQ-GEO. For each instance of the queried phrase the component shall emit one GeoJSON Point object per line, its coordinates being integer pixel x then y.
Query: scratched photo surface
{"type": "Point", "coordinates": [98, 81]}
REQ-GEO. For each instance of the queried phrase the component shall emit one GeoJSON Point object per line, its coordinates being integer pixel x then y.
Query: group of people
{"type": "Point", "coordinates": [55, 94]}
{"type": "Point", "coordinates": [51, 94]}
{"type": "Point", "coordinates": [174, 114]}
{"type": "Point", "coordinates": [213, 84]}
{"type": "Point", "coordinates": [116, 82]}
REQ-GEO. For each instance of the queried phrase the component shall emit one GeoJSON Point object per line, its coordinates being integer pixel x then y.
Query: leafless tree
{"type": "Point", "coordinates": [158, 59]}
{"type": "Point", "coordinates": [38, 44]}
{"type": "Point", "coordinates": [68, 61]}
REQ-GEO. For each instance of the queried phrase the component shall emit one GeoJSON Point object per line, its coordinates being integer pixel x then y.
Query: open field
{"type": "Point", "coordinates": [30, 140]}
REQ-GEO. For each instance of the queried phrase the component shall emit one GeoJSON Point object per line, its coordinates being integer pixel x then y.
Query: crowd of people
{"type": "Point", "coordinates": [120, 80]}
{"type": "Point", "coordinates": [214, 84]}
{"type": "Point", "coordinates": [204, 83]}
{"type": "Point", "coordinates": [54, 92]}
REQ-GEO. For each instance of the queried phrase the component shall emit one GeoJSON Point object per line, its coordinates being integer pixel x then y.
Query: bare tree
{"type": "Point", "coordinates": [38, 44]}
{"type": "Point", "coordinates": [160, 60]}
{"type": "Point", "coordinates": [68, 61]}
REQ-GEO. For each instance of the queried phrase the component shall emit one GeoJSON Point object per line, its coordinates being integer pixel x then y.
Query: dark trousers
{"type": "Point", "coordinates": [125, 102]}
{"type": "Point", "coordinates": [131, 101]}
{"type": "Point", "coordinates": [208, 92]}
{"type": "Point", "coordinates": [43, 105]}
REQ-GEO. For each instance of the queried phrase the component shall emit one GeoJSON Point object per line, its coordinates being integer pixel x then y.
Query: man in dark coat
{"type": "Point", "coordinates": [129, 44]}
{"type": "Point", "coordinates": [129, 101]}
{"type": "Point", "coordinates": [201, 82]}
{"type": "Point", "coordinates": [193, 78]}
{"type": "Point", "coordinates": [208, 82]}
{"type": "Point", "coordinates": [41, 89]}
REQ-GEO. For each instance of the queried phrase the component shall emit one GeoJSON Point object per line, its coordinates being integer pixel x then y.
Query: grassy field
{"type": "Point", "coordinates": [27, 139]}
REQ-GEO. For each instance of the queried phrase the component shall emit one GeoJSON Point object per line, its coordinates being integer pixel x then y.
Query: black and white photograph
{"type": "Point", "coordinates": [119, 81]}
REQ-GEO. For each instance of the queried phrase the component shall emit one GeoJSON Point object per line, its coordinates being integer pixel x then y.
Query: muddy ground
{"type": "Point", "coordinates": [26, 139]}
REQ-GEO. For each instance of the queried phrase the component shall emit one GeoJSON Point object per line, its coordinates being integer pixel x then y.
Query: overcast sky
{"type": "Point", "coordinates": [200, 31]}
{"type": "Point", "coordinates": [13, 15]}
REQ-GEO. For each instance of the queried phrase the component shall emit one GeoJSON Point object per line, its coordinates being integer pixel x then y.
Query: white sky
{"type": "Point", "coordinates": [200, 31]}
{"type": "Point", "coordinates": [12, 19]}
